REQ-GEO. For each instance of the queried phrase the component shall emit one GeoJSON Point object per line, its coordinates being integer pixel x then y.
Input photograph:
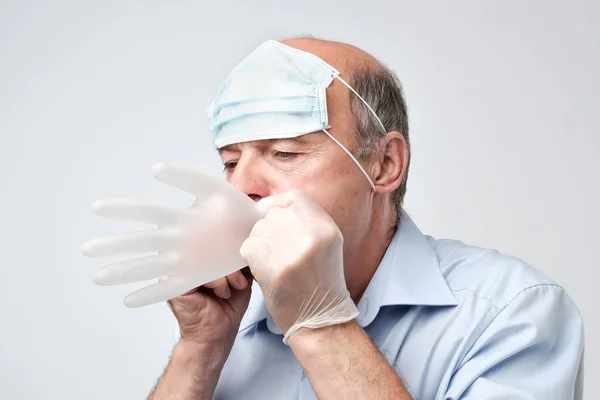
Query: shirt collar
{"type": "Point", "coordinates": [409, 274]}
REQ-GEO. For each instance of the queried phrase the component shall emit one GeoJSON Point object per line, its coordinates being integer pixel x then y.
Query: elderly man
{"type": "Point", "coordinates": [344, 297]}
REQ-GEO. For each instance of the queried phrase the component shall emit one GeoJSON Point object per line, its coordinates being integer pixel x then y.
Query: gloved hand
{"type": "Point", "coordinates": [195, 246]}
{"type": "Point", "coordinates": [295, 254]}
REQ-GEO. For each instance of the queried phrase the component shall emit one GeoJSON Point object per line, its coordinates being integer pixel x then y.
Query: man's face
{"type": "Point", "coordinates": [312, 163]}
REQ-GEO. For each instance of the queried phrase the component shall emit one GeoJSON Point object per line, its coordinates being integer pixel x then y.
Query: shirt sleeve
{"type": "Point", "coordinates": [533, 349]}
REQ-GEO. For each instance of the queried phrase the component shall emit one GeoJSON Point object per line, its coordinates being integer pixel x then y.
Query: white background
{"type": "Point", "coordinates": [505, 129]}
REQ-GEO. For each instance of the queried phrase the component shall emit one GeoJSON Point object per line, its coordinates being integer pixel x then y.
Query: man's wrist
{"type": "Point", "coordinates": [198, 357]}
{"type": "Point", "coordinates": [328, 356]}
{"type": "Point", "coordinates": [192, 372]}
{"type": "Point", "coordinates": [310, 341]}
{"type": "Point", "coordinates": [202, 363]}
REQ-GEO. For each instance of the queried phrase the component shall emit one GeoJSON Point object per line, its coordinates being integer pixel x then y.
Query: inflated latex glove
{"type": "Point", "coordinates": [194, 245]}
{"type": "Point", "coordinates": [296, 255]}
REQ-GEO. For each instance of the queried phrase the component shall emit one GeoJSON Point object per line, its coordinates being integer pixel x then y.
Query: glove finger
{"type": "Point", "coordinates": [186, 178]}
{"type": "Point", "coordinates": [137, 270]}
{"type": "Point", "coordinates": [160, 291]}
{"type": "Point", "coordinates": [283, 200]}
{"type": "Point", "coordinates": [139, 211]}
{"type": "Point", "coordinates": [131, 243]}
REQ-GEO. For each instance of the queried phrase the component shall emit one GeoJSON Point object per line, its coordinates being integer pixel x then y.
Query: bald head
{"type": "Point", "coordinates": [344, 57]}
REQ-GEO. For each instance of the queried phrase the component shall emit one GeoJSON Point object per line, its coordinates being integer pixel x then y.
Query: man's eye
{"type": "Point", "coordinates": [285, 154]}
{"type": "Point", "coordinates": [229, 166]}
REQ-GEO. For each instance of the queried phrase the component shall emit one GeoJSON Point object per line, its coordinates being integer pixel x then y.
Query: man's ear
{"type": "Point", "coordinates": [393, 162]}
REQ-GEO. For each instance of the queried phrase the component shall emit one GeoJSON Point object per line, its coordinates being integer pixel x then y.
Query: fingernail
{"type": "Point", "coordinates": [227, 292]}
{"type": "Point", "coordinates": [243, 282]}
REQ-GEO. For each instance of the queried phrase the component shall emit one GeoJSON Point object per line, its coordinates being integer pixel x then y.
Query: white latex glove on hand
{"type": "Point", "coordinates": [296, 255]}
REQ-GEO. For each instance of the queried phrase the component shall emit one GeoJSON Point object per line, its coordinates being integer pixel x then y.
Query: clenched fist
{"type": "Point", "coordinates": [296, 255]}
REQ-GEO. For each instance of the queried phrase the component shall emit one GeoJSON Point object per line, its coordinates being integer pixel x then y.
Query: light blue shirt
{"type": "Point", "coordinates": [455, 321]}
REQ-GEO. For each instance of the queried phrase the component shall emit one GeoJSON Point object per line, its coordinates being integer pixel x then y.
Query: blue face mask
{"type": "Point", "coordinates": [276, 92]}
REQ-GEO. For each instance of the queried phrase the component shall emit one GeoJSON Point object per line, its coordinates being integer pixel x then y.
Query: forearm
{"type": "Point", "coordinates": [192, 373]}
{"type": "Point", "coordinates": [341, 362]}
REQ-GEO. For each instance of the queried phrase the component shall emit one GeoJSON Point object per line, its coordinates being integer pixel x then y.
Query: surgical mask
{"type": "Point", "coordinates": [277, 92]}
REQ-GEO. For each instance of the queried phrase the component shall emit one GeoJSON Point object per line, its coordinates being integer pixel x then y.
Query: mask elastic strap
{"type": "Point", "coordinates": [364, 102]}
{"type": "Point", "coordinates": [353, 159]}
{"type": "Point", "coordinates": [345, 149]}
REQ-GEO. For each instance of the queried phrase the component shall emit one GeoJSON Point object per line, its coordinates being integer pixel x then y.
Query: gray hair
{"type": "Point", "coordinates": [382, 90]}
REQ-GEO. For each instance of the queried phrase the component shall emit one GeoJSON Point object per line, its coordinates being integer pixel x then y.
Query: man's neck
{"type": "Point", "coordinates": [362, 260]}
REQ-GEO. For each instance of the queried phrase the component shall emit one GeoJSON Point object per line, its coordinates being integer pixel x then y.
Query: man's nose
{"type": "Point", "coordinates": [249, 177]}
